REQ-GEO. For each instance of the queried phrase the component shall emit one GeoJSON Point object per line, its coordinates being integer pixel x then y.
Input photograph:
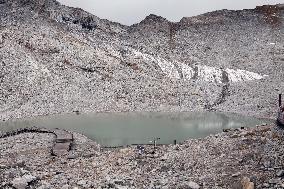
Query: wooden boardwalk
{"type": "Point", "coordinates": [63, 142]}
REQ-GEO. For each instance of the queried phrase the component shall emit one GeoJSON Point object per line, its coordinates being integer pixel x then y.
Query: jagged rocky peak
{"type": "Point", "coordinates": [29, 8]}
{"type": "Point", "coordinates": [272, 15]}
{"type": "Point", "coordinates": [219, 16]}
{"type": "Point", "coordinates": [78, 16]}
{"type": "Point", "coordinates": [46, 3]}
{"type": "Point", "coordinates": [52, 9]}
{"type": "Point", "coordinates": [270, 7]}
{"type": "Point", "coordinates": [152, 22]}
{"type": "Point", "coordinates": [152, 18]}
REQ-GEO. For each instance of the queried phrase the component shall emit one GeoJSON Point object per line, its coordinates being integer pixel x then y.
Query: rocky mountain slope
{"type": "Point", "coordinates": [57, 59]}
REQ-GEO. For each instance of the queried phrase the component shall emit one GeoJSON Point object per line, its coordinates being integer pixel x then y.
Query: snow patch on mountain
{"type": "Point", "coordinates": [243, 75]}
{"type": "Point", "coordinates": [188, 72]}
{"type": "Point", "coordinates": [168, 68]}
{"type": "Point", "coordinates": [209, 74]}
{"type": "Point", "coordinates": [199, 72]}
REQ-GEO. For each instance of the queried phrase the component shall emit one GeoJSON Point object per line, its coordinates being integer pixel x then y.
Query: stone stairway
{"type": "Point", "coordinates": [63, 142]}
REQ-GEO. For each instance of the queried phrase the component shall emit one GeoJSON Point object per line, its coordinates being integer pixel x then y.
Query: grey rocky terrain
{"type": "Point", "coordinates": [239, 159]}
{"type": "Point", "coordinates": [56, 59]}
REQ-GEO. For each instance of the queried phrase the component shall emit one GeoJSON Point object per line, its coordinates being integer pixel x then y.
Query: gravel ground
{"type": "Point", "coordinates": [227, 160]}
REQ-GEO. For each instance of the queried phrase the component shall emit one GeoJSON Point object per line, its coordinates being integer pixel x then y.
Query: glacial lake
{"type": "Point", "coordinates": [112, 130]}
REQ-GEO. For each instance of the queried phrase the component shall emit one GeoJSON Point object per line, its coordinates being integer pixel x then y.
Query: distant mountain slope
{"type": "Point", "coordinates": [57, 59]}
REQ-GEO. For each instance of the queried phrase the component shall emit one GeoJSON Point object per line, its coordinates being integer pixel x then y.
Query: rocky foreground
{"type": "Point", "coordinates": [243, 158]}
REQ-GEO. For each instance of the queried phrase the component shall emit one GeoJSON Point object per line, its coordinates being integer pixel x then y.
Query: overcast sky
{"type": "Point", "coordinates": [133, 11]}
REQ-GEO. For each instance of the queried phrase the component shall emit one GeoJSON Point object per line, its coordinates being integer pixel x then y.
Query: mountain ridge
{"type": "Point", "coordinates": [45, 4]}
{"type": "Point", "coordinates": [61, 59]}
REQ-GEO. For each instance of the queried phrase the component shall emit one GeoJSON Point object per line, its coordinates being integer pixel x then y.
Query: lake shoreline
{"type": "Point", "coordinates": [123, 129]}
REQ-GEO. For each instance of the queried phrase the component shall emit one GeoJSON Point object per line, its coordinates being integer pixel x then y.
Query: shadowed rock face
{"type": "Point", "coordinates": [272, 14]}
{"type": "Point", "coordinates": [57, 59]}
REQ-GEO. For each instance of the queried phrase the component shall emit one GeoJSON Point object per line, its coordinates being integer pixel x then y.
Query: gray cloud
{"type": "Point", "coordinates": [132, 11]}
